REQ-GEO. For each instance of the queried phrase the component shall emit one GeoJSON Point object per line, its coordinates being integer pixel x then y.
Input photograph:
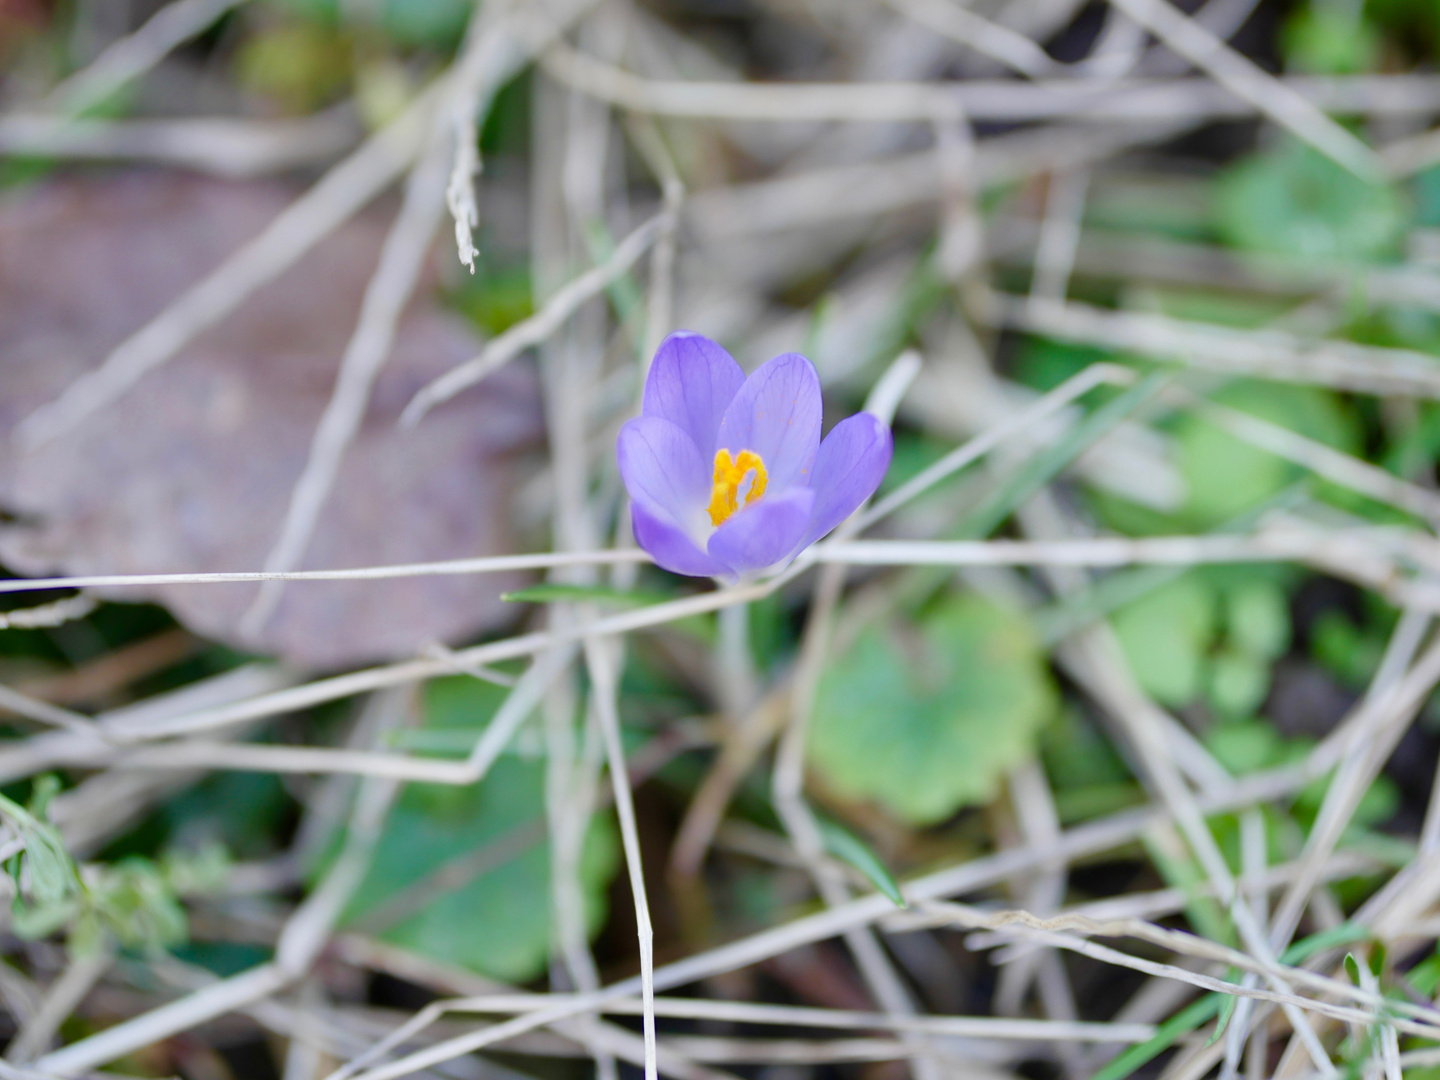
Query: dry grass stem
{"type": "Point", "coordinates": [972, 217]}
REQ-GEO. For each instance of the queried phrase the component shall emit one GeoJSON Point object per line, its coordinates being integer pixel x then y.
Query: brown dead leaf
{"type": "Point", "coordinates": [192, 470]}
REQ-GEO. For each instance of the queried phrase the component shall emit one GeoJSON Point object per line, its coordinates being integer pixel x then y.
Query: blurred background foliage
{"type": "Point", "coordinates": [937, 687]}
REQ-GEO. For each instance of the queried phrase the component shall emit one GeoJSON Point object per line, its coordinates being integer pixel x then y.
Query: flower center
{"type": "Point", "coordinates": [743, 478]}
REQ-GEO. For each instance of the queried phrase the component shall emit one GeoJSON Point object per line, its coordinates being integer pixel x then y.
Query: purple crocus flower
{"type": "Point", "coordinates": [727, 475]}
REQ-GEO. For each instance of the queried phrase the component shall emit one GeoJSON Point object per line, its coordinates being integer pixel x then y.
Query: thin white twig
{"type": "Point", "coordinates": [995, 40]}
{"type": "Point", "coordinates": [230, 147]}
{"type": "Point", "coordinates": [570, 788]}
{"type": "Point", "coordinates": [1266, 354]}
{"type": "Point", "coordinates": [136, 53]}
{"type": "Point", "coordinates": [599, 665]}
{"type": "Point", "coordinates": [1059, 235]}
{"type": "Point", "coordinates": [1075, 387]}
{"type": "Point", "coordinates": [56, 613]}
{"type": "Point", "coordinates": [491, 564]}
{"type": "Point", "coordinates": [542, 324]}
{"type": "Point", "coordinates": [787, 783]}
{"type": "Point", "coordinates": [460, 190]}
{"type": "Point", "coordinates": [61, 999]}
{"type": "Point", "coordinates": [1084, 100]}
{"type": "Point", "coordinates": [1251, 83]}
{"type": "Point", "coordinates": [300, 942]}
{"type": "Point", "coordinates": [401, 259]}
{"type": "Point", "coordinates": [205, 1004]}
{"type": "Point", "coordinates": [1376, 728]}
{"type": "Point", "coordinates": [970, 876]}
{"type": "Point", "coordinates": [1051, 932]}
{"type": "Point", "coordinates": [46, 713]}
{"type": "Point", "coordinates": [304, 223]}
{"type": "Point", "coordinates": [744, 1012]}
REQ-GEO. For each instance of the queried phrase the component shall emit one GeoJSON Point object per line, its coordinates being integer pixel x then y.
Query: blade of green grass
{"type": "Point", "coordinates": [1174, 1029]}
{"type": "Point", "coordinates": [844, 845]}
{"type": "Point", "coordinates": [1043, 466]}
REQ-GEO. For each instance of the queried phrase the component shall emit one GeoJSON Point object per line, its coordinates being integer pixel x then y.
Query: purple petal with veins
{"type": "Point", "coordinates": [670, 546]}
{"type": "Point", "coordinates": [764, 533]}
{"type": "Point", "coordinates": [691, 383]}
{"type": "Point", "coordinates": [696, 403]}
{"type": "Point", "coordinates": [851, 463]}
{"type": "Point", "coordinates": [663, 469]}
{"type": "Point", "coordinates": [777, 415]}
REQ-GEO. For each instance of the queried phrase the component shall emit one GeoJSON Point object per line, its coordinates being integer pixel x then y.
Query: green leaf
{"type": "Point", "coordinates": [1424, 977]}
{"type": "Point", "coordinates": [497, 921]}
{"type": "Point", "coordinates": [1077, 755]}
{"type": "Point", "coordinates": [1227, 1010]}
{"type": "Point", "coordinates": [1295, 201]}
{"type": "Point", "coordinates": [1165, 636]}
{"type": "Point", "coordinates": [1352, 654]}
{"type": "Point", "coordinates": [196, 873]}
{"type": "Point", "coordinates": [1330, 39]}
{"type": "Point", "coordinates": [1257, 617]}
{"type": "Point", "coordinates": [1227, 476]}
{"type": "Point", "coordinates": [1180, 870]}
{"type": "Point", "coordinates": [1042, 467]}
{"type": "Point", "coordinates": [845, 845]}
{"type": "Point", "coordinates": [493, 917]}
{"type": "Point", "coordinates": [1107, 594]}
{"type": "Point", "coordinates": [299, 65]}
{"type": "Point", "coordinates": [1244, 746]}
{"type": "Point", "coordinates": [1352, 968]}
{"type": "Point", "coordinates": [1238, 682]}
{"type": "Point", "coordinates": [1075, 805]}
{"type": "Point", "coordinates": [135, 903]}
{"type": "Point", "coordinates": [1345, 934]}
{"type": "Point", "coordinates": [52, 880]}
{"type": "Point", "coordinates": [495, 300]}
{"type": "Point", "coordinates": [1044, 363]}
{"type": "Point", "coordinates": [1179, 1025]}
{"type": "Point", "coordinates": [927, 718]}
{"type": "Point", "coordinates": [1415, 23]}
{"type": "Point", "coordinates": [425, 22]}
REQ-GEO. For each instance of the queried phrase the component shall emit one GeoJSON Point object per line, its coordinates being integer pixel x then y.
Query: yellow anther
{"type": "Point", "coordinates": [729, 478]}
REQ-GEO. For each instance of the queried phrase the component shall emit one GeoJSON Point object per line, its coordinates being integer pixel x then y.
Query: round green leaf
{"type": "Point", "coordinates": [1227, 476]}
{"type": "Point", "coordinates": [1330, 39]}
{"type": "Point", "coordinates": [498, 922]}
{"type": "Point", "coordinates": [1295, 201]}
{"type": "Point", "coordinates": [1257, 618]}
{"type": "Point", "coordinates": [1239, 682]}
{"type": "Point", "coordinates": [1165, 635]}
{"type": "Point", "coordinates": [926, 719]}
{"type": "Point", "coordinates": [1244, 746]}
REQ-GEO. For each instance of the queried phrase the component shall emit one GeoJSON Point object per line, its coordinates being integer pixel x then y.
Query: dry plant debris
{"type": "Point", "coordinates": [213, 443]}
{"type": "Point", "coordinates": [1101, 743]}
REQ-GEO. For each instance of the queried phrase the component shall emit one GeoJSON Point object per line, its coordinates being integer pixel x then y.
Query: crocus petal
{"type": "Point", "coordinates": [670, 546]}
{"type": "Point", "coordinates": [851, 463]}
{"type": "Point", "coordinates": [777, 415]}
{"type": "Point", "coordinates": [663, 470]}
{"type": "Point", "coordinates": [764, 532]}
{"type": "Point", "coordinates": [691, 383]}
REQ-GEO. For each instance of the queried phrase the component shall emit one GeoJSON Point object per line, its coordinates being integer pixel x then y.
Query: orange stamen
{"type": "Point", "coordinates": [729, 476]}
